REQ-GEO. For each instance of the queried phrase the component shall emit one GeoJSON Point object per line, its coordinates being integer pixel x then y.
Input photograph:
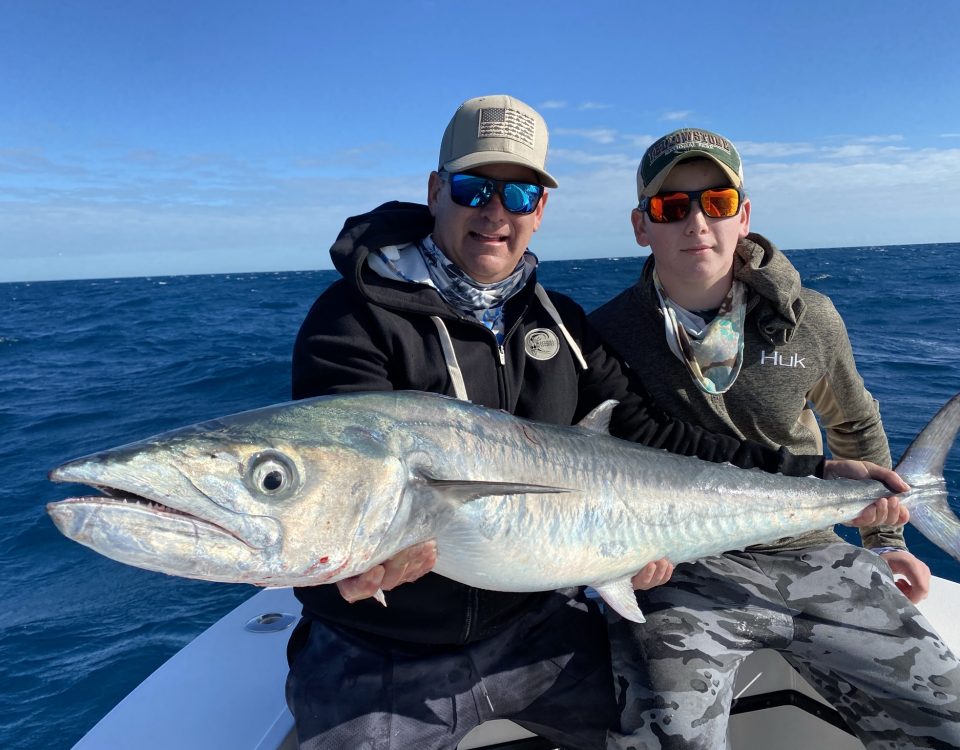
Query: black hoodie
{"type": "Point", "coordinates": [370, 333]}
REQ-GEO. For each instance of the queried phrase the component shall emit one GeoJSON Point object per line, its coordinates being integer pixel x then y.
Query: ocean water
{"type": "Point", "coordinates": [86, 365]}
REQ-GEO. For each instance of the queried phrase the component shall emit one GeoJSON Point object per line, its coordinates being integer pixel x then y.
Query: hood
{"type": "Point", "coordinates": [774, 287]}
{"type": "Point", "coordinates": [392, 223]}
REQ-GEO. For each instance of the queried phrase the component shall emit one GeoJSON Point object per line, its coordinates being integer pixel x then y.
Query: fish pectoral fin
{"type": "Point", "coordinates": [465, 491]}
{"type": "Point", "coordinates": [621, 598]}
{"type": "Point", "coordinates": [598, 420]}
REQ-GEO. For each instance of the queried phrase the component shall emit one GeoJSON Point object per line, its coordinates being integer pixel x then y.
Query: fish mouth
{"type": "Point", "coordinates": [114, 500]}
{"type": "Point", "coordinates": [186, 508]}
{"type": "Point", "coordinates": [139, 530]}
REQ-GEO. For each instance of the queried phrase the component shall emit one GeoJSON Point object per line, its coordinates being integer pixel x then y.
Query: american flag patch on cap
{"type": "Point", "coordinates": [504, 122]}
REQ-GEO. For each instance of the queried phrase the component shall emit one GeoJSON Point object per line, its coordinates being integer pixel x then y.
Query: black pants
{"type": "Point", "coordinates": [548, 671]}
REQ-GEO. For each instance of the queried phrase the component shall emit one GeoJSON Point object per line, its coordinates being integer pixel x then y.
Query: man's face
{"type": "Point", "coordinates": [695, 253]}
{"type": "Point", "coordinates": [485, 242]}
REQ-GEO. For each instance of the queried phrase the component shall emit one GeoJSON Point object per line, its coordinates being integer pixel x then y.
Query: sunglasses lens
{"type": "Point", "coordinates": [475, 192]}
{"type": "Point", "coordinates": [472, 192]}
{"type": "Point", "coordinates": [720, 203]}
{"type": "Point", "coordinates": [521, 197]}
{"type": "Point", "coordinates": [717, 203]}
{"type": "Point", "coordinates": [668, 207]}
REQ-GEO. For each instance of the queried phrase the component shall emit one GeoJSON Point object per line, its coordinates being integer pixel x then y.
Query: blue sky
{"type": "Point", "coordinates": [221, 136]}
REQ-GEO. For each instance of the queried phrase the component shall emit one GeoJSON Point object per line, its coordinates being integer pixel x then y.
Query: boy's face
{"type": "Point", "coordinates": [695, 253]}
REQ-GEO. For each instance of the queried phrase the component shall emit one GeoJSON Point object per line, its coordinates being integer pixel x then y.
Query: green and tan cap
{"type": "Point", "coordinates": [680, 145]}
{"type": "Point", "coordinates": [496, 130]}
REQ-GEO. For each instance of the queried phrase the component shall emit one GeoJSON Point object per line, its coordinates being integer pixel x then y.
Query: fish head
{"type": "Point", "coordinates": [272, 497]}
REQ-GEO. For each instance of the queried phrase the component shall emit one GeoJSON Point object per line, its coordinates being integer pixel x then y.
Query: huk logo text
{"type": "Point", "coordinates": [776, 358]}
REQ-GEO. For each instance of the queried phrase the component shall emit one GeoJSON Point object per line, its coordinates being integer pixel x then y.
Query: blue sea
{"type": "Point", "coordinates": [86, 365]}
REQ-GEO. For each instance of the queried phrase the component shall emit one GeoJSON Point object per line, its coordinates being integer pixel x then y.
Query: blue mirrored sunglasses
{"type": "Point", "coordinates": [473, 191]}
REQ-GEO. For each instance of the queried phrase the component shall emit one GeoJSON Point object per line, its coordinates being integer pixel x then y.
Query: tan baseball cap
{"type": "Point", "coordinates": [687, 143]}
{"type": "Point", "coordinates": [496, 130]}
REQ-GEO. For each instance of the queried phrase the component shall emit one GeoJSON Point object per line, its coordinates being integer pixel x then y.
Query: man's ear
{"type": "Point", "coordinates": [434, 186]}
{"type": "Point", "coordinates": [639, 220]}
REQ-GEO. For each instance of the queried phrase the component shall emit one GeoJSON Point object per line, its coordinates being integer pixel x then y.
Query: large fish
{"type": "Point", "coordinates": [313, 491]}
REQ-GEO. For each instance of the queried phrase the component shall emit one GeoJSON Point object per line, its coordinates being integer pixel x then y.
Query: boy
{"type": "Point", "coordinates": [720, 332]}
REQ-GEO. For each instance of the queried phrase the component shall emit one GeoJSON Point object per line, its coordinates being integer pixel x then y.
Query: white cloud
{"type": "Point", "coordinates": [773, 149]}
{"type": "Point", "coordinates": [365, 155]}
{"type": "Point", "coordinates": [593, 105]}
{"type": "Point", "coordinates": [640, 141]}
{"type": "Point", "coordinates": [597, 135]}
{"type": "Point", "coordinates": [855, 148]}
{"type": "Point", "coordinates": [140, 213]}
{"type": "Point", "coordinates": [552, 104]}
{"type": "Point", "coordinates": [860, 151]}
{"type": "Point", "coordinates": [589, 215]}
{"type": "Point", "coordinates": [879, 138]}
{"type": "Point", "coordinates": [872, 195]}
{"type": "Point", "coordinates": [27, 162]}
{"type": "Point", "coordinates": [137, 212]}
{"type": "Point", "coordinates": [682, 114]}
{"type": "Point", "coordinates": [869, 198]}
{"type": "Point", "coordinates": [591, 158]}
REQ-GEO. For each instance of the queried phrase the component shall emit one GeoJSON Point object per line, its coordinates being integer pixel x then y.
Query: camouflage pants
{"type": "Point", "coordinates": [549, 671]}
{"type": "Point", "coordinates": [834, 614]}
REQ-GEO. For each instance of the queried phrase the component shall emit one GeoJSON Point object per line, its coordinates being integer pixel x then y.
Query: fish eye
{"type": "Point", "coordinates": [272, 480]}
{"type": "Point", "coordinates": [271, 474]}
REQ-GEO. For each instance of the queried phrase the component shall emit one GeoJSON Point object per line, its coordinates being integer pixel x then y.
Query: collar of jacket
{"type": "Point", "coordinates": [774, 283]}
{"type": "Point", "coordinates": [397, 223]}
{"type": "Point", "coordinates": [392, 223]}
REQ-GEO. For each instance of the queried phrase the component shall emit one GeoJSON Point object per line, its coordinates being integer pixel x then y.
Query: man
{"type": "Point", "coordinates": [444, 298]}
{"type": "Point", "coordinates": [721, 333]}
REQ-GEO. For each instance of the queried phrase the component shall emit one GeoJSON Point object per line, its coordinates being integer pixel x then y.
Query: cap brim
{"type": "Point", "coordinates": [654, 187]}
{"type": "Point", "coordinates": [484, 158]}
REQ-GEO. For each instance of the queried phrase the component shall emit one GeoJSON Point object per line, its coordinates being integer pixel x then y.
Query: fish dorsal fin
{"type": "Point", "coordinates": [598, 420]}
{"type": "Point", "coordinates": [465, 491]}
{"type": "Point", "coordinates": [621, 598]}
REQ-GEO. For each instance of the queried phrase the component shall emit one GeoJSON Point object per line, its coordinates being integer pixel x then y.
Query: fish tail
{"type": "Point", "coordinates": [922, 468]}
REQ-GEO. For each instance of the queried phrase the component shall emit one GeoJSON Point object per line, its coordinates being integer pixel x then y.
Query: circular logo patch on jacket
{"type": "Point", "coordinates": [542, 343]}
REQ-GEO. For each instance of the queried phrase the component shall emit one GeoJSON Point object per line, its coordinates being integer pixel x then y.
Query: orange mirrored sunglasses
{"type": "Point", "coordinates": [674, 205]}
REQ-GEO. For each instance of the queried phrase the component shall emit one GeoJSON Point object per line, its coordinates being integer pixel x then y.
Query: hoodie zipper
{"type": "Point", "coordinates": [501, 351]}
{"type": "Point", "coordinates": [501, 357]}
{"type": "Point", "coordinates": [473, 597]}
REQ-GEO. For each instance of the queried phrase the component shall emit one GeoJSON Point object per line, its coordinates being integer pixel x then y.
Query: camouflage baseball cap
{"type": "Point", "coordinates": [496, 130]}
{"type": "Point", "coordinates": [687, 143]}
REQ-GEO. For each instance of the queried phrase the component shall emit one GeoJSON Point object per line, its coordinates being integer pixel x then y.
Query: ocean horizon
{"type": "Point", "coordinates": [641, 254]}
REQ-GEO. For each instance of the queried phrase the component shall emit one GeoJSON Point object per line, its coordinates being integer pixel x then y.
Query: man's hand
{"type": "Point", "coordinates": [886, 511]}
{"type": "Point", "coordinates": [652, 574]}
{"type": "Point", "coordinates": [915, 583]}
{"type": "Point", "coordinates": [406, 566]}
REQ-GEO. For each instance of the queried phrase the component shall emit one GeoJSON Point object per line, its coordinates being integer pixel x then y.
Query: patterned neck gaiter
{"type": "Point", "coordinates": [483, 301]}
{"type": "Point", "coordinates": [712, 352]}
